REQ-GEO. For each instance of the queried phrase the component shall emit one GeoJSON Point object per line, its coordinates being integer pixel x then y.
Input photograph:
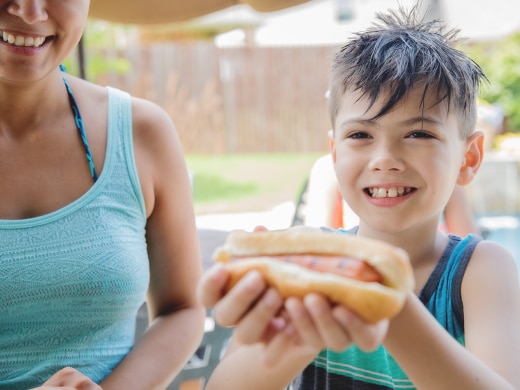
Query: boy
{"type": "Point", "coordinates": [403, 112]}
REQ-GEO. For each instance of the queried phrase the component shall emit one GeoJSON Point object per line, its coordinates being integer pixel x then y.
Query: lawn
{"type": "Point", "coordinates": [249, 182]}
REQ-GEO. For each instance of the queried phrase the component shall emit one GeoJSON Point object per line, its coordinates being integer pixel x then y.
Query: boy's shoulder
{"type": "Point", "coordinates": [490, 256]}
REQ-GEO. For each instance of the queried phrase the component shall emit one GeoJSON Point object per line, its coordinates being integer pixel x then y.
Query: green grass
{"type": "Point", "coordinates": [247, 182]}
{"type": "Point", "coordinates": [210, 187]}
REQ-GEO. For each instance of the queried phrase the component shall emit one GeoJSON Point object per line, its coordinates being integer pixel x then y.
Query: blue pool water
{"type": "Point", "coordinates": [504, 229]}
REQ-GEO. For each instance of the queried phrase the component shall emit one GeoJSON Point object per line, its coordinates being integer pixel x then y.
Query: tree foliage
{"type": "Point", "coordinates": [501, 64]}
{"type": "Point", "coordinates": [100, 35]}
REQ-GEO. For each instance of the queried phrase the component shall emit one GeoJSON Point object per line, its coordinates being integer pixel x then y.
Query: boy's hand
{"type": "Point", "coordinates": [323, 325]}
{"type": "Point", "coordinates": [250, 306]}
{"type": "Point", "coordinates": [69, 378]}
{"type": "Point", "coordinates": [314, 324]}
{"type": "Point", "coordinates": [259, 314]}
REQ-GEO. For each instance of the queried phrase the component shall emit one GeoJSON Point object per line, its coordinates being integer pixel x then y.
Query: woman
{"type": "Point", "coordinates": [95, 215]}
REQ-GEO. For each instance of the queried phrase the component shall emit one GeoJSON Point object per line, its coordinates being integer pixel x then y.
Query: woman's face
{"type": "Point", "coordinates": [37, 35]}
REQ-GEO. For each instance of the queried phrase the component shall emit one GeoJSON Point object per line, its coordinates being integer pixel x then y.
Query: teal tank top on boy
{"type": "Point", "coordinates": [71, 281]}
{"type": "Point", "coordinates": [377, 370]}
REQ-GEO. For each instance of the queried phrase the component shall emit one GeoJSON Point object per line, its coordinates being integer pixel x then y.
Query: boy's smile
{"type": "Point", "coordinates": [390, 192]}
{"type": "Point", "coordinates": [401, 165]}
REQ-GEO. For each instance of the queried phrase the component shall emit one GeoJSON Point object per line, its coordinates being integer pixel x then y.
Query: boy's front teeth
{"type": "Point", "coordinates": [392, 192]}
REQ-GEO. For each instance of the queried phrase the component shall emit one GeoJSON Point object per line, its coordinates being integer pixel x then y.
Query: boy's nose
{"type": "Point", "coordinates": [30, 11]}
{"type": "Point", "coordinates": [386, 160]}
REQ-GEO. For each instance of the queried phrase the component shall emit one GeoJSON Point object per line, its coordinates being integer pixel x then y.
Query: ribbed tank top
{"type": "Point", "coordinates": [71, 281]}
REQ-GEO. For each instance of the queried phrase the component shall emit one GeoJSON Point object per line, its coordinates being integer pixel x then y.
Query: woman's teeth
{"type": "Point", "coordinates": [392, 192]}
{"type": "Point", "coordinates": [21, 41]}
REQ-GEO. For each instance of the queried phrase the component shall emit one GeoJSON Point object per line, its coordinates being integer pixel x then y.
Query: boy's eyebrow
{"type": "Point", "coordinates": [420, 119]}
{"type": "Point", "coordinates": [374, 123]}
{"type": "Point", "coordinates": [364, 122]}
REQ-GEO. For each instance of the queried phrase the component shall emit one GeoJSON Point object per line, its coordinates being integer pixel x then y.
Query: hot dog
{"type": "Point", "coordinates": [370, 277]}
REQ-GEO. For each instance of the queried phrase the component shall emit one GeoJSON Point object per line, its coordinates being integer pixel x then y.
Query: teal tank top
{"type": "Point", "coordinates": [71, 281]}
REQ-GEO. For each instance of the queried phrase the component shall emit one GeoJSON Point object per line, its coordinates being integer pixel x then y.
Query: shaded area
{"type": "Point", "coordinates": [161, 11]}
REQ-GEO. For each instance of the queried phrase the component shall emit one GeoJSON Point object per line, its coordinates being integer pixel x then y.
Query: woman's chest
{"type": "Point", "coordinates": [42, 176]}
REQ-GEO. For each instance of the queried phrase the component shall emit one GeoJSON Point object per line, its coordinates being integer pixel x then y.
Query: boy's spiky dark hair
{"type": "Point", "coordinates": [402, 51]}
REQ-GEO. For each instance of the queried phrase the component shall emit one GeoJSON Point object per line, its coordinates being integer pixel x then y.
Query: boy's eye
{"type": "Point", "coordinates": [420, 134]}
{"type": "Point", "coordinates": [358, 135]}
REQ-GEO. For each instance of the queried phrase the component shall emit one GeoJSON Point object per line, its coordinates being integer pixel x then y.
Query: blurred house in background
{"type": "Point", "coordinates": [332, 21]}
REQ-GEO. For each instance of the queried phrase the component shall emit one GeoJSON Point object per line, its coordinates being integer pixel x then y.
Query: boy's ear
{"type": "Point", "coordinates": [332, 145]}
{"type": "Point", "coordinates": [472, 158]}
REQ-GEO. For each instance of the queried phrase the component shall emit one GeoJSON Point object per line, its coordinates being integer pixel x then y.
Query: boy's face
{"type": "Point", "coordinates": [398, 171]}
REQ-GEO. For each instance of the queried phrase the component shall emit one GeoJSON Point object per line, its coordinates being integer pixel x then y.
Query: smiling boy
{"type": "Point", "coordinates": [403, 110]}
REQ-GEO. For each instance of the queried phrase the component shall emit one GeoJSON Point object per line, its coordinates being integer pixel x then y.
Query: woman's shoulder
{"type": "Point", "coordinates": [149, 115]}
{"type": "Point", "coordinates": [152, 127]}
{"type": "Point", "coordinates": [145, 113]}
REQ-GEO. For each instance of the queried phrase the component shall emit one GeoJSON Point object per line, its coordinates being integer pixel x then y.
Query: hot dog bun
{"type": "Point", "coordinates": [372, 301]}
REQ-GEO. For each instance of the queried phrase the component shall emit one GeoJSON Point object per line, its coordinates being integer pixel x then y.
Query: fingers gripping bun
{"type": "Point", "coordinates": [372, 301]}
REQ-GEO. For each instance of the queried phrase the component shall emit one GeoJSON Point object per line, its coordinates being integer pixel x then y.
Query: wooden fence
{"type": "Point", "coordinates": [234, 100]}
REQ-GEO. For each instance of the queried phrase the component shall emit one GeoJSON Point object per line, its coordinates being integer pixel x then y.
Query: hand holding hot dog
{"type": "Point", "coordinates": [370, 277]}
{"type": "Point", "coordinates": [279, 308]}
{"type": "Point", "coordinates": [259, 314]}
